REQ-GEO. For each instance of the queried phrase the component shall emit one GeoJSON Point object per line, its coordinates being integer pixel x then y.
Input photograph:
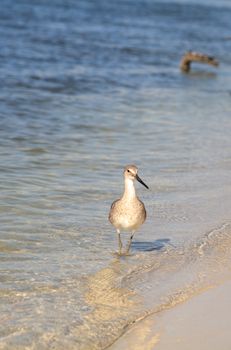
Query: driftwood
{"type": "Point", "coordinates": [190, 57]}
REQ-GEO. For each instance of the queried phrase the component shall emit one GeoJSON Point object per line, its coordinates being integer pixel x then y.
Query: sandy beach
{"type": "Point", "coordinates": [203, 322]}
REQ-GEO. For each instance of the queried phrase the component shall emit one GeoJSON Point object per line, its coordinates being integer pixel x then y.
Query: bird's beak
{"type": "Point", "coordinates": [139, 179]}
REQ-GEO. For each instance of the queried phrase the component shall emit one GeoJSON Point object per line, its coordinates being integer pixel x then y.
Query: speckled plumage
{"type": "Point", "coordinates": [126, 214]}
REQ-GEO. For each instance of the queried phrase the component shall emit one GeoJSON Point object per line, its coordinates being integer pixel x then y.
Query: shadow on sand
{"type": "Point", "coordinates": [158, 244]}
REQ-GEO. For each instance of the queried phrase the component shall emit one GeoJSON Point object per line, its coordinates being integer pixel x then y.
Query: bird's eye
{"type": "Point", "coordinates": [128, 171]}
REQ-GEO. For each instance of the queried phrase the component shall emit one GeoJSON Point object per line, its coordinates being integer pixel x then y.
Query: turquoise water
{"type": "Point", "coordinates": [88, 87]}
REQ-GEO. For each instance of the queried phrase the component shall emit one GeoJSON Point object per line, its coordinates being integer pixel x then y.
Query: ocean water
{"type": "Point", "coordinates": [86, 88]}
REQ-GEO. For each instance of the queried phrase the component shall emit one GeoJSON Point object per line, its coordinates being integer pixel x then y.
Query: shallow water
{"type": "Point", "coordinates": [88, 87]}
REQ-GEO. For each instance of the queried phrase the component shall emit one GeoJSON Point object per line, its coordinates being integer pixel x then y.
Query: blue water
{"type": "Point", "coordinates": [86, 88]}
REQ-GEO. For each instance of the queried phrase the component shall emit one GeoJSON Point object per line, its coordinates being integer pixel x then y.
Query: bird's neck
{"type": "Point", "coordinates": [129, 189]}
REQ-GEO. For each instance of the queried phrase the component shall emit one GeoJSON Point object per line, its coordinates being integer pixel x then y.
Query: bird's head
{"type": "Point", "coordinates": [131, 172]}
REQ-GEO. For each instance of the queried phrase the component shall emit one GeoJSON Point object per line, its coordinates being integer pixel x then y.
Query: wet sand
{"type": "Point", "coordinates": [203, 322]}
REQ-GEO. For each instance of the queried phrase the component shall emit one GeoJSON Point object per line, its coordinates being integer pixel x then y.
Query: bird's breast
{"type": "Point", "coordinates": [127, 214]}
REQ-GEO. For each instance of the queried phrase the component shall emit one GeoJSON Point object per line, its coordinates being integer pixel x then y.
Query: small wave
{"type": "Point", "coordinates": [150, 281]}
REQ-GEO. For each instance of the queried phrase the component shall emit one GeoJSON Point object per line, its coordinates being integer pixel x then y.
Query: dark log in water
{"type": "Point", "coordinates": [190, 57]}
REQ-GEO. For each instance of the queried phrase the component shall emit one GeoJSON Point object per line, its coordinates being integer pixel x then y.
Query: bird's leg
{"type": "Point", "coordinates": [130, 242]}
{"type": "Point", "coordinates": [120, 242]}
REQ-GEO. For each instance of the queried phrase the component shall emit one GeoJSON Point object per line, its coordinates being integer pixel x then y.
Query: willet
{"type": "Point", "coordinates": [128, 213]}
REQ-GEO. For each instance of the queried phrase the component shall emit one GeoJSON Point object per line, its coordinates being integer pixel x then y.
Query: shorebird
{"type": "Point", "coordinates": [128, 213]}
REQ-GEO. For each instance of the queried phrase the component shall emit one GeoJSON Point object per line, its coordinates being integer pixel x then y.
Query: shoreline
{"type": "Point", "coordinates": [202, 322]}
